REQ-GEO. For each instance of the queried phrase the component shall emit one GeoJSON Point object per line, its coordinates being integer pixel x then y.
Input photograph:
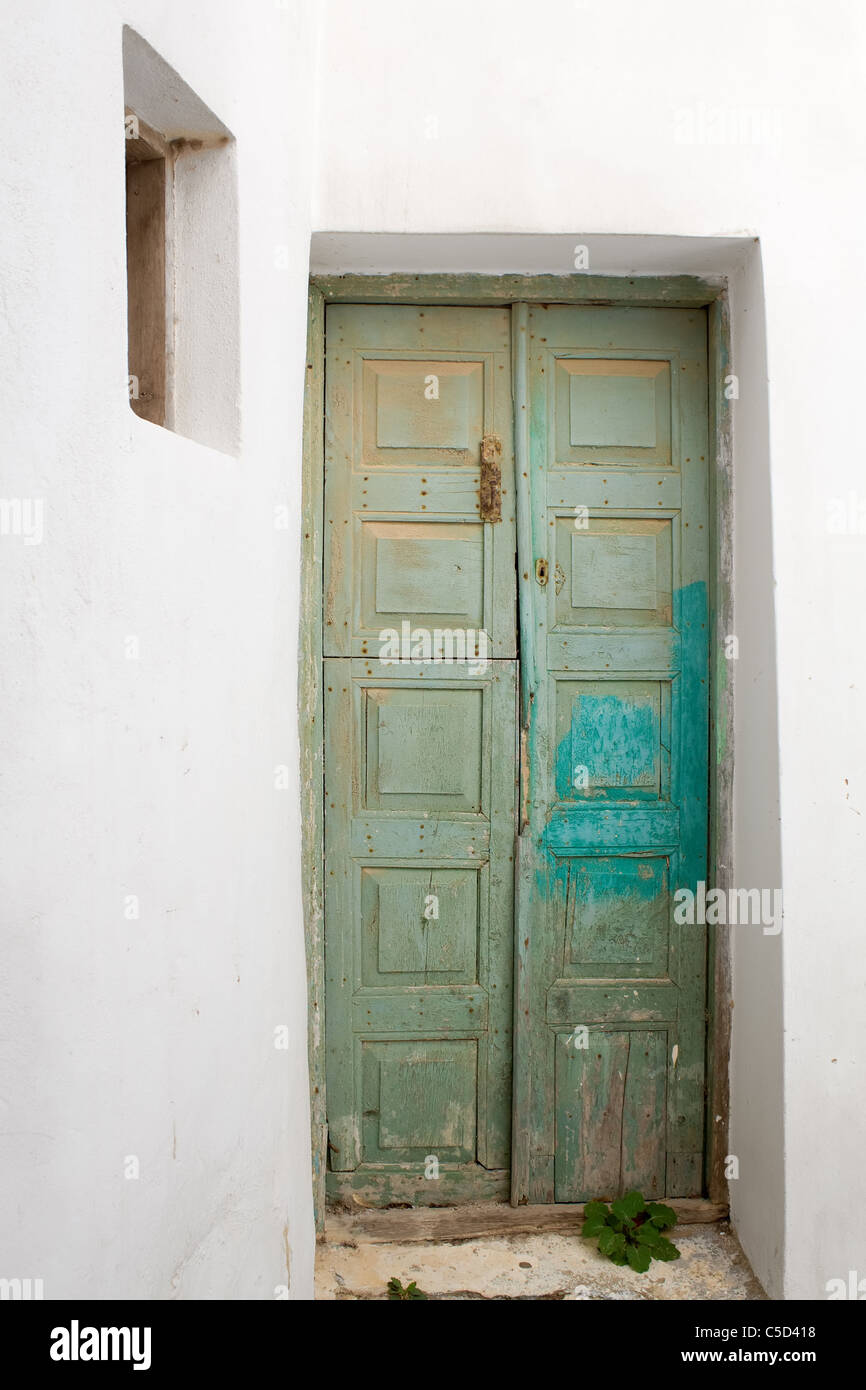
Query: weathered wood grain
{"type": "Point", "coordinates": [610, 490]}
{"type": "Point", "coordinates": [386, 1187]}
{"type": "Point", "coordinates": [476, 1221]}
{"type": "Point", "coordinates": [720, 993]}
{"type": "Point", "coordinates": [312, 737]}
{"type": "Point", "coordinates": [621, 640]}
{"type": "Point", "coordinates": [419, 754]}
{"type": "Point", "coordinates": [649, 291]}
{"type": "Point", "coordinates": [146, 300]}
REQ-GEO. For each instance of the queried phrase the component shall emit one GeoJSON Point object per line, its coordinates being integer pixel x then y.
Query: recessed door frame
{"type": "Point", "coordinates": [515, 292]}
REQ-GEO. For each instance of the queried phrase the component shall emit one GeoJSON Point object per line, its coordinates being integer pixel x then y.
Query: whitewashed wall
{"type": "Point", "coordinates": [153, 777]}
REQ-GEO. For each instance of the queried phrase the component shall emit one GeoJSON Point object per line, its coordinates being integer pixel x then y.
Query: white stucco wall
{"type": "Point", "coordinates": [618, 117]}
{"type": "Point", "coordinates": [151, 777]}
{"type": "Point", "coordinates": [592, 119]}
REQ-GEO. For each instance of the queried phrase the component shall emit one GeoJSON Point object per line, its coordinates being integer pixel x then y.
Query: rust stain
{"type": "Point", "coordinates": [491, 478]}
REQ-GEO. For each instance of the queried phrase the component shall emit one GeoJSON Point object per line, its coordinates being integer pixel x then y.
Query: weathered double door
{"type": "Point", "coordinates": [469, 752]}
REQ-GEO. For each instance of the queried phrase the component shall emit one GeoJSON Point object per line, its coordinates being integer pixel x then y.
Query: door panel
{"type": "Point", "coordinates": [410, 395]}
{"type": "Point", "coordinates": [617, 753]}
{"type": "Point", "coordinates": [420, 756]}
{"type": "Point", "coordinates": [607, 1099]}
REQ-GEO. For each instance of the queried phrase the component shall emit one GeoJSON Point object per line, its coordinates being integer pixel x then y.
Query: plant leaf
{"type": "Point", "coordinates": [594, 1209]}
{"type": "Point", "coordinates": [594, 1226]}
{"type": "Point", "coordinates": [648, 1234]}
{"type": "Point", "coordinates": [611, 1243]}
{"type": "Point", "coordinates": [639, 1257]}
{"type": "Point", "coordinates": [665, 1250]}
{"type": "Point", "coordinates": [661, 1216]}
{"type": "Point", "coordinates": [627, 1207]}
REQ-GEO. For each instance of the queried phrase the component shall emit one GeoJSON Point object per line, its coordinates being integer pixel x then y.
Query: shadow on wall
{"type": "Point", "coordinates": [757, 1051]}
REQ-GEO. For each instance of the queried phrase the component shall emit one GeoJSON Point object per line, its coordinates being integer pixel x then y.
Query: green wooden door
{"type": "Point", "coordinates": [612, 992]}
{"type": "Point", "coordinates": [420, 755]}
{"type": "Point", "coordinates": [423, 761]}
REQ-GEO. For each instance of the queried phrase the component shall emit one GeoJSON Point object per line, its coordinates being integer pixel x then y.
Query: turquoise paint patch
{"type": "Point", "coordinates": [691, 609]}
{"type": "Point", "coordinates": [607, 732]}
{"type": "Point", "coordinates": [612, 744]}
{"type": "Point", "coordinates": [600, 882]}
{"type": "Point", "coordinates": [691, 617]}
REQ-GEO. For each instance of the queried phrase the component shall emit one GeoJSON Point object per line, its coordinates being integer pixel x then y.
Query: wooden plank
{"type": "Point", "coordinates": [720, 995]}
{"type": "Point", "coordinates": [145, 269]}
{"type": "Point", "coordinates": [451, 1009]}
{"type": "Point", "coordinates": [476, 1221]}
{"type": "Point", "coordinates": [525, 868]}
{"type": "Point", "coordinates": [457, 840]}
{"type": "Point", "coordinates": [686, 1105]}
{"type": "Point", "coordinates": [589, 1096]}
{"type": "Point", "coordinates": [311, 738]}
{"type": "Point", "coordinates": [680, 291]}
{"type": "Point", "coordinates": [525, 879]}
{"type": "Point", "coordinates": [525, 574]}
{"type": "Point", "coordinates": [594, 827]}
{"type": "Point", "coordinates": [369, 1187]}
{"type": "Point", "coordinates": [636, 652]}
{"type": "Point", "coordinates": [614, 1002]}
{"type": "Point", "coordinates": [651, 492]}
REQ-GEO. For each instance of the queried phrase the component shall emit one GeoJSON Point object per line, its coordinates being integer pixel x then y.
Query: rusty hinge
{"type": "Point", "coordinates": [491, 478]}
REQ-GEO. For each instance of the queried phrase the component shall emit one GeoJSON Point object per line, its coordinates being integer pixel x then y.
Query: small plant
{"type": "Point", "coordinates": [630, 1230]}
{"type": "Point", "coordinates": [396, 1290]}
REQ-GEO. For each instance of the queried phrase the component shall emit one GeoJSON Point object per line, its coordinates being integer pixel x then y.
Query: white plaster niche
{"type": "Point", "coordinates": [198, 366]}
